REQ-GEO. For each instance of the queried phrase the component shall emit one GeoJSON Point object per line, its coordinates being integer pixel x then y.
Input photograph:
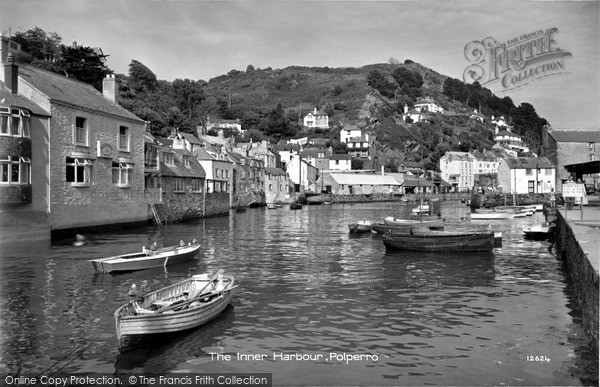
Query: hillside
{"type": "Point", "coordinates": [272, 102]}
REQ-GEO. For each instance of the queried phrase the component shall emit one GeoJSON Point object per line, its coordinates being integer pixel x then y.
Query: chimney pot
{"type": "Point", "coordinates": [109, 88]}
{"type": "Point", "coordinates": [11, 74]}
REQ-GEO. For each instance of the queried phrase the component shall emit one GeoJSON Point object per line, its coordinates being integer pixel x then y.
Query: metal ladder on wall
{"type": "Point", "coordinates": [153, 207]}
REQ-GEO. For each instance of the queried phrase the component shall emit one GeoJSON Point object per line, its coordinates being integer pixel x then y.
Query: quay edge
{"type": "Point", "coordinates": [578, 246]}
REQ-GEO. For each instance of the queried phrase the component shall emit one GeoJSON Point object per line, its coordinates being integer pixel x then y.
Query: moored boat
{"type": "Point", "coordinates": [539, 232]}
{"type": "Point", "coordinates": [442, 241]}
{"type": "Point", "coordinates": [384, 228]}
{"type": "Point", "coordinates": [438, 223]}
{"type": "Point", "coordinates": [490, 215]}
{"type": "Point", "coordinates": [178, 307]}
{"type": "Point", "coordinates": [147, 258]}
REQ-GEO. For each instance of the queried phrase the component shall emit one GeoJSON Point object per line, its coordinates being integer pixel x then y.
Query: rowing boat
{"type": "Point", "coordinates": [443, 241]}
{"type": "Point", "coordinates": [438, 223]}
{"type": "Point", "coordinates": [184, 305]}
{"type": "Point", "coordinates": [147, 258]}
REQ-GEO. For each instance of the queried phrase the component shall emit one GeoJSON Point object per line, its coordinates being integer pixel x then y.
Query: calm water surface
{"type": "Point", "coordinates": [307, 287]}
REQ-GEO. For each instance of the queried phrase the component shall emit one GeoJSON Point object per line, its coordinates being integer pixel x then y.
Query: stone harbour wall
{"type": "Point", "coordinates": [582, 274]}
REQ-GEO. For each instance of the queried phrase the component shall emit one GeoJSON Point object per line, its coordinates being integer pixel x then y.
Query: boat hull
{"type": "Point", "coordinates": [441, 242]}
{"type": "Point", "coordinates": [140, 261]}
{"type": "Point", "coordinates": [383, 228]}
{"type": "Point", "coordinates": [492, 215]}
{"type": "Point", "coordinates": [134, 329]}
{"type": "Point", "coordinates": [439, 223]}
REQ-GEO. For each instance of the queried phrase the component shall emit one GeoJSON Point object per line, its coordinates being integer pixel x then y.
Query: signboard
{"type": "Point", "coordinates": [572, 190]}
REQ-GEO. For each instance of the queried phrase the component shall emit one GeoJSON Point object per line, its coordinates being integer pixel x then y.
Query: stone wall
{"type": "Point", "coordinates": [101, 202]}
{"type": "Point", "coordinates": [495, 199]}
{"type": "Point", "coordinates": [581, 273]}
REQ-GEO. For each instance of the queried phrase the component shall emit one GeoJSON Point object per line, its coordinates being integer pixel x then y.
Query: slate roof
{"type": "Point", "coordinates": [576, 135]}
{"type": "Point", "coordinates": [72, 92]}
{"type": "Point", "coordinates": [362, 179]}
{"type": "Point", "coordinates": [411, 182]}
{"type": "Point", "coordinates": [179, 169]}
{"type": "Point", "coordinates": [340, 157]}
{"type": "Point", "coordinates": [528, 162]}
{"type": "Point", "coordinates": [275, 171]}
{"type": "Point", "coordinates": [9, 99]}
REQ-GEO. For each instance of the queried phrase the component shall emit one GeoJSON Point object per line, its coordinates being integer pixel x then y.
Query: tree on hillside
{"type": "Point", "coordinates": [83, 64]}
{"type": "Point", "coordinates": [38, 46]}
{"type": "Point", "coordinates": [188, 95]}
{"type": "Point", "coordinates": [410, 82]}
{"type": "Point", "coordinates": [378, 81]}
{"type": "Point", "coordinates": [141, 78]}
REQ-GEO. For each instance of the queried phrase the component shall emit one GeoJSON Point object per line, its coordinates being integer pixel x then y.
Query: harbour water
{"type": "Point", "coordinates": [314, 306]}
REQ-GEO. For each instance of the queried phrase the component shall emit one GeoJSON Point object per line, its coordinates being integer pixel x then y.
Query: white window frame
{"type": "Point", "coordinates": [197, 185]}
{"type": "Point", "coordinates": [85, 129]}
{"type": "Point", "coordinates": [76, 164]}
{"type": "Point", "coordinates": [169, 158]}
{"type": "Point", "coordinates": [123, 173]}
{"type": "Point", "coordinates": [178, 184]}
{"type": "Point", "coordinates": [11, 117]}
{"type": "Point", "coordinates": [23, 169]}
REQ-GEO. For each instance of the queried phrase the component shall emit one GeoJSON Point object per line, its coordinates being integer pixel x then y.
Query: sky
{"type": "Point", "coordinates": [204, 39]}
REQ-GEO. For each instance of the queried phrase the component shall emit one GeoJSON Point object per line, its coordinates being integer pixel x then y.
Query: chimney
{"type": "Point", "coordinates": [174, 132]}
{"type": "Point", "coordinates": [11, 74]}
{"type": "Point", "coordinates": [109, 88]}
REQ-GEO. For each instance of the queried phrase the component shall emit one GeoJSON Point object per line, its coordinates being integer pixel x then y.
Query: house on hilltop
{"type": "Point", "coordinates": [316, 119]}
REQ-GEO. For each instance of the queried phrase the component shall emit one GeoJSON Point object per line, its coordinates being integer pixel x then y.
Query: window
{"type": "Point", "coordinates": [14, 122]}
{"type": "Point", "coordinates": [78, 171]}
{"type": "Point", "coordinates": [530, 186]}
{"type": "Point", "coordinates": [178, 184]}
{"type": "Point", "coordinates": [168, 158]}
{"type": "Point", "coordinates": [196, 185]}
{"type": "Point", "coordinates": [15, 170]}
{"type": "Point", "coordinates": [548, 171]}
{"type": "Point", "coordinates": [123, 141]}
{"type": "Point", "coordinates": [186, 161]}
{"type": "Point", "coordinates": [528, 172]}
{"type": "Point", "coordinates": [591, 146]}
{"type": "Point", "coordinates": [121, 174]}
{"type": "Point", "coordinates": [80, 136]}
{"type": "Point", "coordinates": [592, 157]}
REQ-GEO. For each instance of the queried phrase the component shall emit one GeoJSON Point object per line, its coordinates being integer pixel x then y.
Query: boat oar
{"type": "Point", "coordinates": [193, 298]}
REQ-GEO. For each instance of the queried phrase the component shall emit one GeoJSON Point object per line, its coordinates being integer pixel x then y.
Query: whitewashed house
{"type": "Point", "coordinates": [522, 175]}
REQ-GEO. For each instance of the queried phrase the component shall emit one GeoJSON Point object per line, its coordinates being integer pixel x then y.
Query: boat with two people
{"type": "Point", "coordinates": [148, 258]}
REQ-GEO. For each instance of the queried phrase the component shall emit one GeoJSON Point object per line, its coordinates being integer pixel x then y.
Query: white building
{"type": "Point", "coordinates": [522, 175]}
{"type": "Point", "coordinates": [511, 142]}
{"type": "Point", "coordinates": [340, 162]}
{"type": "Point", "coordinates": [458, 169]}
{"type": "Point", "coordinates": [428, 105]}
{"type": "Point", "coordinates": [349, 132]}
{"type": "Point", "coordinates": [316, 120]}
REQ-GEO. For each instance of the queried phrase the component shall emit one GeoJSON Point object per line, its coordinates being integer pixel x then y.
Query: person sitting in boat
{"type": "Point", "coordinates": [194, 242]}
{"type": "Point", "coordinates": [154, 246]}
{"type": "Point", "coordinates": [181, 243]}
